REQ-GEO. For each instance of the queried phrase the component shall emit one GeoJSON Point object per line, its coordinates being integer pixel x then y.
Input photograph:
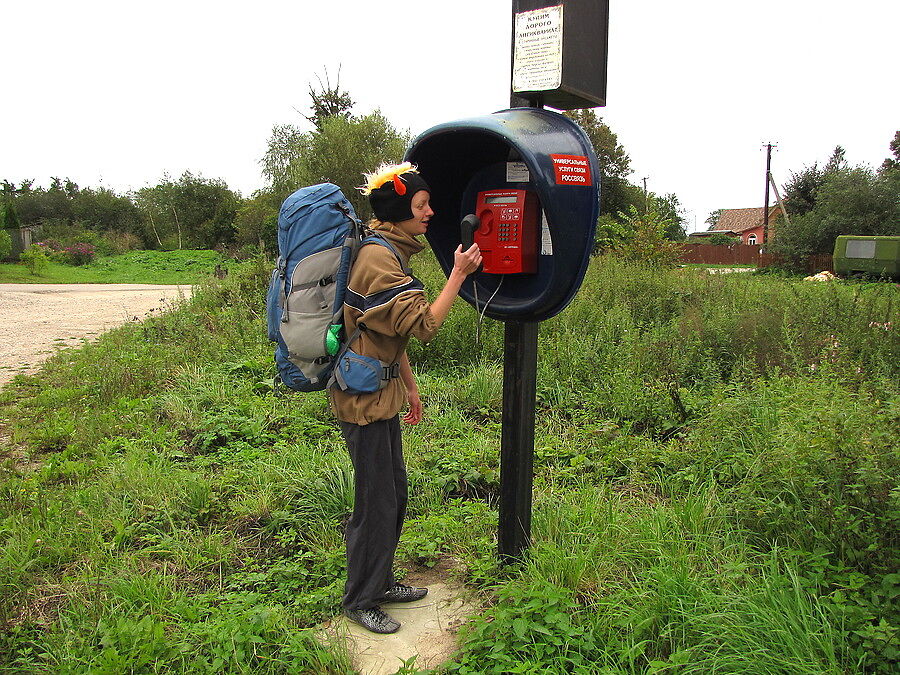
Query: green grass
{"type": "Point", "coordinates": [716, 266]}
{"type": "Point", "coordinates": [715, 490]}
{"type": "Point", "coordinates": [134, 267]}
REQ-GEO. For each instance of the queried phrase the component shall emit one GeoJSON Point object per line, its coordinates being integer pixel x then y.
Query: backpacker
{"type": "Point", "coordinates": [319, 236]}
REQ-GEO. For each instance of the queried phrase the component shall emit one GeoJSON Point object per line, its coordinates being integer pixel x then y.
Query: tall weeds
{"type": "Point", "coordinates": [715, 487]}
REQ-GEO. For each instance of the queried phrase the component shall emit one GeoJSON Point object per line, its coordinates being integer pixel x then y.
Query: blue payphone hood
{"type": "Point", "coordinates": [461, 158]}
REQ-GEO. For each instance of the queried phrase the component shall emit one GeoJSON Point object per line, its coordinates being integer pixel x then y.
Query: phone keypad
{"type": "Point", "coordinates": [508, 232]}
{"type": "Point", "coordinates": [509, 225]}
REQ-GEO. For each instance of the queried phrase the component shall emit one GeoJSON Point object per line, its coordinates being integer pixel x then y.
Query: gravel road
{"type": "Point", "coordinates": [38, 319]}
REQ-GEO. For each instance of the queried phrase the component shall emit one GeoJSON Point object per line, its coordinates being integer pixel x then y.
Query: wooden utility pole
{"type": "Point", "coordinates": [768, 147]}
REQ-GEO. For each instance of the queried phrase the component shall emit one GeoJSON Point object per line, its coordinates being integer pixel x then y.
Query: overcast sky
{"type": "Point", "coordinates": [120, 92]}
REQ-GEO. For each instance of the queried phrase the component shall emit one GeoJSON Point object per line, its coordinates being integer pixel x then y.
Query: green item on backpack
{"type": "Point", "coordinates": [333, 339]}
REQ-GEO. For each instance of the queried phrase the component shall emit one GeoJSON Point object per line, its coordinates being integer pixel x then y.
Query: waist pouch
{"type": "Point", "coordinates": [357, 374]}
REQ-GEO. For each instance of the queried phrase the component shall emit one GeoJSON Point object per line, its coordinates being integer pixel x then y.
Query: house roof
{"type": "Point", "coordinates": [740, 220]}
{"type": "Point", "coordinates": [707, 233]}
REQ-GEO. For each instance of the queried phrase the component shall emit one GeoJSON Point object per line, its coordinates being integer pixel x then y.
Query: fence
{"type": "Point", "coordinates": [742, 254]}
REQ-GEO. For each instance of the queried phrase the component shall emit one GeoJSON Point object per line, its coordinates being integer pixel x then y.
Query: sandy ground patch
{"type": "Point", "coordinates": [428, 631]}
{"type": "Point", "coordinates": [38, 319]}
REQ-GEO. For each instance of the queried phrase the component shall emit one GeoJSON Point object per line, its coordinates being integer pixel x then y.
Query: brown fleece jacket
{"type": "Point", "coordinates": [393, 307]}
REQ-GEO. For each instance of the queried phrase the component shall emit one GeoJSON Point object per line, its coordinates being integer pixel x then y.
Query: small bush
{"type": "Point", "coordinates": [52, 244]}
{"type": "Point", "coordinates": [35, 258]}
{"type": "Point", "coordinates": [647, 243]}
{"type": "Point", "coordinates": [121, 242]}
{"type": "Point", "coordinates": [5, 244]}
{"type": "Point", "coordinates": [80, 254]}
{"type": "Point", "coordinates": [722, 239]}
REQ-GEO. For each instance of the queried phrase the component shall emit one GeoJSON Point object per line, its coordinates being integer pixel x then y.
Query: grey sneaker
{"type": "Point", "coordinates": [373, 619]}
{"type": "Point", "coordinates": [403, 593]}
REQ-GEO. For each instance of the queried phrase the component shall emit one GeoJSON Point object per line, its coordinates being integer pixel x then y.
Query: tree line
{"type": "Point", "coordinates": [838, 198]}
{"type": "Point", "coordinates": [187, 212]}
{"type": "Point", "coordinates": [336, 145]}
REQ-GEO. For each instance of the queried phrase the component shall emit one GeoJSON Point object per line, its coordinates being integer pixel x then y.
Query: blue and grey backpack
{"type": "Point", "coordinates": [319, 236]}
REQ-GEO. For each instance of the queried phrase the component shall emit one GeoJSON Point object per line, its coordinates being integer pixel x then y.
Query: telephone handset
{"type": "Point", "coordinates": [466, 230]}
{"type": "Point", "coordinates": [505, 227]}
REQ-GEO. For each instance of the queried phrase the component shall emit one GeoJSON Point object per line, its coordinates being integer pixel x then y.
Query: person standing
{"type": "Point", "coordinates": [389, 305]}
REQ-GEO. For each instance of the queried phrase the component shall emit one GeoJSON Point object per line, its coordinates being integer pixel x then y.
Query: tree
{"type": "Point", "coordinates": [850, 200]}
{"type": "Point", "coordinates": [615, 165]}
{"type": "Point", "coordinates": [893, 163]}
{"type": "Point", "coordinates": [102, 210]}
{"type": "Point", "coordinates": [713, 218]}
{"type": "Point", "coordinates": [5, 242]}
{"type": "Point", "coordinates": [190, 212]}
{"type": "Point", "coordinates": [837, 161]}
{"type": "Point", "coordinates": [672, 212]}
{"type": "Point", "coordinates": [284, 162]}
{"type": "Point", "coordinates": [328, 101]}
{"type": "Point", "coordinates": [10, 215]}
{"type": "Point", "coordinates": [256, 222]}
{"type": "Point", "coordinates": [339, 150]}
{"type": "Point", "coordinates": [348, 147]}
{"type": "Point", "coordinates": [800, 191]}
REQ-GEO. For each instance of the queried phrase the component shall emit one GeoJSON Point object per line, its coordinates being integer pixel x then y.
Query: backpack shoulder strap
{"type": "Point", "coordinates": [378, 239]}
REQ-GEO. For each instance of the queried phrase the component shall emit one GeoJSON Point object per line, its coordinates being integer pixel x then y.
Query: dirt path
{"type": "Point", "coordinates": [38, 319]}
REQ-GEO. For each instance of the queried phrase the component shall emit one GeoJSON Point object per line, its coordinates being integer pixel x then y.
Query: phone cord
{"type": "Point", "coordinates": [483, 309]}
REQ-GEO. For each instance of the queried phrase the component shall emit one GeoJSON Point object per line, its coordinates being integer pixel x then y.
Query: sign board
{"type": "Point", "coordinates": [537, 56]}
{"type": "Point", "coordinates": [559, 52]}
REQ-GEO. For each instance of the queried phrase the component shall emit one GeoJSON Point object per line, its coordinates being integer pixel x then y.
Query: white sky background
{"type": "Point", "coordinates": [117, 93]}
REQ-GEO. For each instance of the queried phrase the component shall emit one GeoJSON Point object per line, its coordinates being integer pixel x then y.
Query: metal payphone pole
{"type": "Point", "coordinates": [564, 41]}
{"type": "Point", "coordinates": [520, 343]}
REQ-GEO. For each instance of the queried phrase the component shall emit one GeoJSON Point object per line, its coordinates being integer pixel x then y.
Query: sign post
{"type": "Point", "coordinates": [520, 343]}
{"type": "Point", "coordinates": [539, 37]}
{"type": "Point", "coordinates": [482, 170]}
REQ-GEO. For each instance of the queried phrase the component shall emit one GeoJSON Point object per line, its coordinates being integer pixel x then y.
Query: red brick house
{"type": "Point", "coordinates": [744, 223]}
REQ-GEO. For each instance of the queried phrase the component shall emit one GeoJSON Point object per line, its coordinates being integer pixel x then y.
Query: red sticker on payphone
{"type": "Point", "coordinates": [571, 169]}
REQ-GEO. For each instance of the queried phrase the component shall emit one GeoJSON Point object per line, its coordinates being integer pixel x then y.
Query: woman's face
{"type": "Point", "coordinates": [422, 213]}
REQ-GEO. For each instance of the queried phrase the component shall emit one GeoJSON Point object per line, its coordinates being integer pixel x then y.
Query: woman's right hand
{"type": "Point", "coordinates": [466, 262]}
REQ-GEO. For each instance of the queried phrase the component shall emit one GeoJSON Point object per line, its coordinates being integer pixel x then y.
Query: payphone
{"type": "Point", "coordinates": [529, 179]}
{"type": "Point", "coordinates": [507, 231]}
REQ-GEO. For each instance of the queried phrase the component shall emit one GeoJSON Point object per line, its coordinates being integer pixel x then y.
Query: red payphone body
{"type": "Point", "coordinates": [508, 236]}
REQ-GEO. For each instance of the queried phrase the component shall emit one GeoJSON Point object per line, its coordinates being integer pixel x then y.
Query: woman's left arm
{"type": "Point", "coordinates": [414, 414]}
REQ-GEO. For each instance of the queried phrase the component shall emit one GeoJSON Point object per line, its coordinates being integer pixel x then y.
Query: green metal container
{"type": "Point", "coordinates": [878, 256]}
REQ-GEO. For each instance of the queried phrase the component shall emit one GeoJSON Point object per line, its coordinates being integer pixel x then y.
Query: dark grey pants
{"type": "Point", "coordinates": [378, 509]}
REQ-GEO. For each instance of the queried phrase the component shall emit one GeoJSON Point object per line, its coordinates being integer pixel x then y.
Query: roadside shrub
{"type": "Point", "coordinates": [80, 254]}
{"type": "Point", "coordinates": [531, 629]}
{"type": "Point", "coordinates": [121, 242]}
{"type": "Point", "coordinates": [722, 239]}
{"type": "Point", "coordinates": [35, 258]}
{"type": "Point", "coordinates": [5, 244]}
{"type": "Point", "coordinates": [67, 234]}
{"type": "Point", "coordinates": [647, 243]}
{"type": "Point", "coordinates": [52, 244]}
